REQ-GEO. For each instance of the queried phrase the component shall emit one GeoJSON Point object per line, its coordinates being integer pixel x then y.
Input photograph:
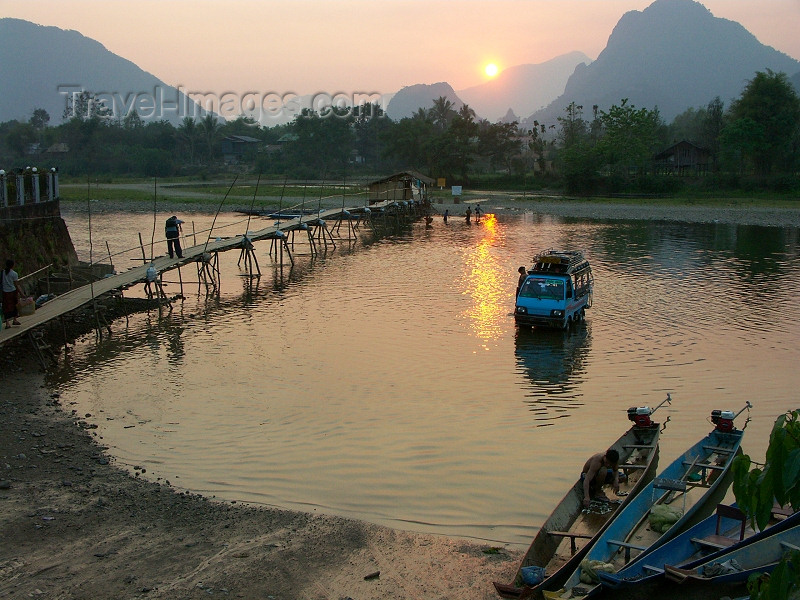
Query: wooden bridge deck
{"type": "Point", "coordinates": [78, 297]}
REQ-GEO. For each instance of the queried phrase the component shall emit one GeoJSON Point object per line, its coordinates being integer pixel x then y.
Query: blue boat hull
{"type": "Point", "coordinates": [711, 458]}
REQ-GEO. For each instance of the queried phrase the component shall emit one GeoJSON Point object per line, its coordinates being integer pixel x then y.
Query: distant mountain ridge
{"type": "Point", "coordinates": [413, 97]}
{"type": "Point", "coordinates": [41, 66]}
{"type": "Point", "coordinates": [520, 89]}
{"type": "Point", "coordinates": [523, 88]}
{"type": "Point", "coordinates": [673, 55]}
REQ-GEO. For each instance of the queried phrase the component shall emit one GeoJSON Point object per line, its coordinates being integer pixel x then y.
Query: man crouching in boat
{"type": "Point", "coordinates": [601, 469]}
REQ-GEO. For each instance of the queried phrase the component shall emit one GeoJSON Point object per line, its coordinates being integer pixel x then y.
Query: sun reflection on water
{"type": "Point", "coordinates": [486, 284]}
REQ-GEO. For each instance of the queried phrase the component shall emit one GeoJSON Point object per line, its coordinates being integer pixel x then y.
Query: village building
{"type": "Point", "coordinates": [402, 186]}
{"type": "Point", "coordinates": [683, 158]}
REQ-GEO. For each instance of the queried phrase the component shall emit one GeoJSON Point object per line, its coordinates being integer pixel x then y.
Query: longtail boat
{"type": "Point", "coordinates": [713, 540]}
{"type": "Point", "coordinates": [759, 554]}
{"type": "Point", "coordinates": [687, 490]}
{"type": "Point", "coordinates": [567, 534]}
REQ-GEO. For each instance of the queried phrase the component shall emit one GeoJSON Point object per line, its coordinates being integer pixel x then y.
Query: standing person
{"type": "Point", "coordinates": [523, 274]}
{"type": "Point", "coordinates": [446, 214]}
{"type": "Point", "coordinates": [11, 293]}
{"type": "Point", "coordinates": [469, 214]}
{"type": "Point", "coordinates": [477, 213]}
{"type": "Point", "coordinates": [173, 231]}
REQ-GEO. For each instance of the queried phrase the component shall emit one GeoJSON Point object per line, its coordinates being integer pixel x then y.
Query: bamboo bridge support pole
{"type": "Point", "coordinates": [311, 244]}
{"type": "Point", "coordinates": [209, 271]}
{"type": "Point", "coordinates": [252, 260]}
{"type": "Point", "coordinates": [288, 251]}
{"type": "Point", "coordinates": [162, 295]}
{"type": "Point", "coordinates": [199, 265]}
{"type": "Point", "coordinates": [66, 339]}
{"type": "Point", "coordinates": [141, 244]}
{"type": "Point", "coordinates": [180, 280]}
{"type": "Point", "coordinates": [327, 231]}
{"type": "Point", "coordinates": [111, 262]}
{"type": "Point", "coordinates": [122, 301]}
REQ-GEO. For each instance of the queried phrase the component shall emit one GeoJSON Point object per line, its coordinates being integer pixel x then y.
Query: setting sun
{"type": "Point", "coordinates": [491, 70]}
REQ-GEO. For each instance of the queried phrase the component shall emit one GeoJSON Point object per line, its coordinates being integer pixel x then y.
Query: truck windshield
{"type": "Point", "coordinates": [543, 287]}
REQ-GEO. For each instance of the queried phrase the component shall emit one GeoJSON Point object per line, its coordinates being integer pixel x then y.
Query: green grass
{"type": "Point", "coordinates": [271, 191]}
{"type": "Point", "coordinates": [195, 193]}
{"type": "Point", "coordinates": [678, 201]}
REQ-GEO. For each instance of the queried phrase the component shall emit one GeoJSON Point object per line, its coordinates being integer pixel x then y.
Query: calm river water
{"type": "Point", "coordinates": [386, 381]}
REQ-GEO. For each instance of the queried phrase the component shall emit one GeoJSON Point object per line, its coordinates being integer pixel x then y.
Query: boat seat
{"type": "Point", "coordinates": [572, 537]}
{"type": "Point", "coordinates": [626, 466]}
{"type": "Point", "coordinates": [675, 485]}
{"type": "Point", "coordinates": [636, 446]}
{"type": "Point", "coordinates": [789, 546]}
{"type": "Point", "coordinates": [718, 449]}
{"type": "Point", "coordinates": [652, 569]}
{"type": "Point", "coordinates": [705, 466]}
{"type": "Point", "coordinates": [670, 486]}
{"type": "Point", "coordinates": [719, 540]}
{"type": "Point", "coordinates": [627, 546]}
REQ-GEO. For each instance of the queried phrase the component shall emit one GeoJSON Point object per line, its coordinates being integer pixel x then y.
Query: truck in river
{"type": "Point", "coordinates": [556, 292]}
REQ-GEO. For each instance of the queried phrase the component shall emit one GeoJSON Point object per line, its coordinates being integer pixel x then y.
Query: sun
{"type": "Point", "coordinates": [490, 70]}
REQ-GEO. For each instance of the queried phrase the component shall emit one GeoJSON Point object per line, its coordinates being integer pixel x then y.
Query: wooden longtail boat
{"type": "Point", "coordinates": [694, 483]}
{"type": "Point", "coordinates": [722, 529]}
{"type": "Point", "coordinates": [711, 540]}
{"type": "Point", "coordinates": [759, 554]}
{"type": "Point", "coordinates": [568, 532]}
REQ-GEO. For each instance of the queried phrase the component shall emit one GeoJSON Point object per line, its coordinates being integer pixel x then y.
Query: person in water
{"type": "Point", "coordinates": [523, 275]}
{"type": "Point", "coordinates": [601, 469]}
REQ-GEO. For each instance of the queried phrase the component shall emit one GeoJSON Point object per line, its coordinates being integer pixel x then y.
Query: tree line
{"type": "Point", "coordinates": [755, 141]}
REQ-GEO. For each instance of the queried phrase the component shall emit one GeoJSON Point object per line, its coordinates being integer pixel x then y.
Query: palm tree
{"type": "Point", "coordinates": [467, 113]}
{"type": "Point", "coordinates": [188, 134]}
{"type": "Point", "coordinates": [442, 112]}
{"type": "Point", "coordinates": [210, 128]}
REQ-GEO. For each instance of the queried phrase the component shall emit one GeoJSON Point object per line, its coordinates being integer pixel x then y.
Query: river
{"type": "Point", "coordinates": [386, 380]}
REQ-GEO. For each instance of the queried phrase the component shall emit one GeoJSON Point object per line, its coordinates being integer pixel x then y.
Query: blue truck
{"type": "Point", "coordinates": [556, 292]}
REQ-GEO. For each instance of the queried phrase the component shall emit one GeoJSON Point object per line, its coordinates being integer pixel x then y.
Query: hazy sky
{"type": "Point", "coordinates": [308, 46]}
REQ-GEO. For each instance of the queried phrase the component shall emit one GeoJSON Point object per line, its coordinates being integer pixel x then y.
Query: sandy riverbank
{"type": "Point", "coordinates": [73, 525]}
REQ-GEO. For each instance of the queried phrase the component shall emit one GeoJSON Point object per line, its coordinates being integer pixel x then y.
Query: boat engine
{"type": "Point", "coordinates": [723, 420]}
{"type": "Point", "coordinates": [640, 415]}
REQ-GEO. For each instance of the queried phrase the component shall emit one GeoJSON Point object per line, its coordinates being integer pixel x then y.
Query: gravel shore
{"type": "Point", "coordinates": [738, 213]}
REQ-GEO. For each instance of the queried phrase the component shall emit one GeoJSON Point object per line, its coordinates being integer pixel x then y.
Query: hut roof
{"type": "Point", "coordinates": [404, 175]}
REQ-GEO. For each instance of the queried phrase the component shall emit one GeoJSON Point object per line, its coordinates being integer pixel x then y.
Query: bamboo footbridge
{"type": "Point", "coordinates": [281, 234]}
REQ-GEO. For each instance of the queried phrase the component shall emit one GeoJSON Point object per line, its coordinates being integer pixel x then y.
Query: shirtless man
{"type": "Point", "coordinates": [599, 470]}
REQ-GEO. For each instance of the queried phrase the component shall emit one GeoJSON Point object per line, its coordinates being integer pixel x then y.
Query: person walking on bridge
{"type": "Point", "coordinates": [11, 293]}
{"type": "Point", "coordinates": [173, 232]}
